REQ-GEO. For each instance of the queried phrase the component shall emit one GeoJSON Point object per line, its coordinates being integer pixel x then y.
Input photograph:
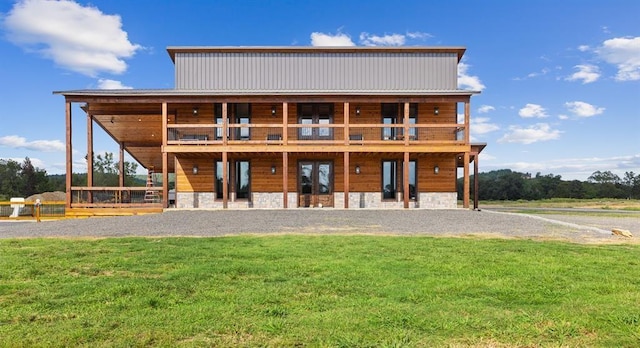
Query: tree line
{"type": "Point", "coordinates": [23, 179]}
{"type": "Point", "coordinates": [505, 184]}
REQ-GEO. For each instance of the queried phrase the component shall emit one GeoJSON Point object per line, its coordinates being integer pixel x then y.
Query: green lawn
{"type": "Point", "coordinates": [298, 290]}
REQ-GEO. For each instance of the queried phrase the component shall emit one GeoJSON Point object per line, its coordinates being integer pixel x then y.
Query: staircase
{"type": "Point", "coordinates": [151, 195]}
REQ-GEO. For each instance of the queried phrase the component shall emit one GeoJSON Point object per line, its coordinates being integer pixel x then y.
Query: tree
{"type": "Point", "coordinates": [29, 180]}
{"type": "Point", "coordinates": [106, 171]}
{"type": "Point", "coordinates": [10, 179]}
{"type": "Point", "coordinates": [631, 182]}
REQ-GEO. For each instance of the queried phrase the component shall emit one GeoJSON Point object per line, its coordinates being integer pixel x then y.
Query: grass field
{"type": "Point", "coordinates": [605, 204]}
{"type": "Point", "coordinates": [334, 290]}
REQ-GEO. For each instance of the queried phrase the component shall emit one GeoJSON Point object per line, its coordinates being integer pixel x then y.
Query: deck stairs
{"type": "Point", "coordinates": [151, 195]}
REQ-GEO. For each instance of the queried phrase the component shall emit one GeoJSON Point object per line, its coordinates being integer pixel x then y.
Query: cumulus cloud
{"type": "Point", "coordinates": [481, 125]}
{"type": "Point", "coordinates": [367, 39]}
{"type": "Point", "coordinates": [587, 73]}
{"type": "Point", "coordinates": [529, 135]}
{"type": "Point", "coordinates": [533, 110]}
{"type": "Point", "coordinates": [465, 80]}
{"type": "Point", "coordinates": [111, 84]}
{"type": "Point", "coordinates": [18, 142]}
{"type": "Point", "coordinates": [419, 35]}
{"type": "Point", "coordinates": [563, 117]}
{"type": "Point", "coordinates": [339, 39]}
{"type": "Point", "coordinates": [582, 109]}
{"type": "Point", "coordinates": [483, 109]}
{"type": "Point", "coordinates": [624, 53]}
{"type": "Point", "coordinates": [78, 38]}
{"type": "Point", "coordinates": [583, 48]}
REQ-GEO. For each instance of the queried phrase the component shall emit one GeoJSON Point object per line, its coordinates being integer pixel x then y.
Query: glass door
{"type": "Point", "coordinates": [315, 114]}
{"type": "Point", "coordinates": [315, 187]}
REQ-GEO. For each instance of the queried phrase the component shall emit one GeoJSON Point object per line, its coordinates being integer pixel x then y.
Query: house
{"type": "Point", "coordinates": [288, 127]}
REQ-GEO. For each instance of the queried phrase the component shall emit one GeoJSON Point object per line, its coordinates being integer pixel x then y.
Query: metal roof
{"type": "Point", "coordinates": [172, 50]}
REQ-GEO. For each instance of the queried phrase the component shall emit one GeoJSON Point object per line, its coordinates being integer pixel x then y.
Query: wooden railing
{"type": "Point", "coordinates": [204, 134]}
{"type": "Point", "coordinates": [115, 197]}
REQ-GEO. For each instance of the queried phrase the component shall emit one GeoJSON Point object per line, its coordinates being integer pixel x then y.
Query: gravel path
{"type": "Point", "coordinates": [325, 221]}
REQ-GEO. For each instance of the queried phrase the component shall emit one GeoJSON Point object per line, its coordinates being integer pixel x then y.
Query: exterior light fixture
{"type": "Point", "coordinates": [195, 169]}
{"type": "Point", "coordinates": [357, 169]}
{"type": "Point", "coordinates": [273, 169]}
{"type": "Point", "coordinates": [436, 169]}
{"type": "Point", "coordinates": [357, 111]}
{"type": "Point", "coordinates": [273, 110]}
{"type": "Point", "coordinates": [195, 111]}
{"type": "Point", "coordinates": [436, 110]}
{"type": "Point", "coordinates": [112, 119]}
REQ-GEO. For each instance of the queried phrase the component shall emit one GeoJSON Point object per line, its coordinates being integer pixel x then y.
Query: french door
{"type": "Point", "coordinates": [312, 114]}
{"type": "Point", "coordinates": [315, 184]}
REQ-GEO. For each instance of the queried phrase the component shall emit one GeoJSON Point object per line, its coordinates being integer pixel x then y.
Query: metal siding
{"type": "Point", "coordinates": [367, 71]}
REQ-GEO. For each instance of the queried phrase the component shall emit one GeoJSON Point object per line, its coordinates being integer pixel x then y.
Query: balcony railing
{"type": "Point", "coordinates": [115, 197]}
{"type": "Point", "coordinates": [205, 134]}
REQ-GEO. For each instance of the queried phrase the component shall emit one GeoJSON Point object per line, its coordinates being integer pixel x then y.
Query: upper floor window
{"type": "Point", "coordinates": [312, 114]}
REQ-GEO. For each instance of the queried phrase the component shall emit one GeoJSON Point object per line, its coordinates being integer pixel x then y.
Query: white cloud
{"type": "Point", "coordinates": [624, 53]}
{"type": "Point", "coordinates": [339, 39]}
{"type": "Point", "coordinates": [367, 39]}
{"type": "Point", "coordinates": [468, 81]}
{"type": "Point", "coordinates": [78, 38]}
{"type": "Point", "coordinates": [531, 134]}
{"type": "Point", "coordinates": [483, 109]}
{"type": "Point", "coordinates": [484, 156]}
{"type": "Point", "coordinates": [36, 162]}
{"type": "Point", "coordinates": [111, 84]}
{"type": "Point", "coordinates": [583, 109]}
{"type": "Point", "coordinates": [419, 35]}
{"type": "Point", "coordinates": [481, 125]}
{"type": "Point", "coordinates": [586, 72]}
{"type": "Point", "coordinates": [563, 117]}
{"type": "Point", "coordinates": [17, 142]}
{"type": "Point", "coordinates": [533, 110]}
{"type": "Point", "coordinates": [583, 48]}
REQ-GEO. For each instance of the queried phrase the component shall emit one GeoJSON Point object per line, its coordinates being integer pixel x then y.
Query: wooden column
{"type": "Point", "coordinates": [405, 179]}
{"type": "Point", "coordinates": [405, 122]}
{"type": "Point", "coordinates": [346, 155]}
{"type": "Point", "coordinates": [89, 156]}
{"type": "Point", "coordinates": [165, 158]}
{"type": "Point", "coordinates": [225, 124]}
{"type": "Point", "coordinates": [225, 176]}
{"type": "Point", "coordinates": [465, 190]}
{"type": "Point", "coordinates": [69, 154]}
{"type": "Point", "coordinates": [475, 181]}
{"type": "Point", "coordinates": [285, 123]}
{"type": "Point", "coordinates": [121, 165]}
{"type": "Point", "coordinates": [467, 115]}
{"type": "Point", "coordinates": [285, 179]}
{"type": "Point", "coordinates": [346, 123]}
{"type": "Point", "coordinates": [346, 180]}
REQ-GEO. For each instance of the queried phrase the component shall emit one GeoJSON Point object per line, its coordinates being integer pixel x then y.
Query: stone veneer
{"type": "Point", "coordinates": [273, 200]}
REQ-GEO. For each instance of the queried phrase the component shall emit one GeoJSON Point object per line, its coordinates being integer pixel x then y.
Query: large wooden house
{"type": "Point", "coordinates": [288, 127]}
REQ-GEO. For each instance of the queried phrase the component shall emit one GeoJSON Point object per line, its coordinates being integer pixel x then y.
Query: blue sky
{"type": "Point", "coordinates": [560, 80]}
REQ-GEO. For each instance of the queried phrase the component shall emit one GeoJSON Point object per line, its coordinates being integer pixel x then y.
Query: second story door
{"type": "Point", "coordinates": [315, 114]}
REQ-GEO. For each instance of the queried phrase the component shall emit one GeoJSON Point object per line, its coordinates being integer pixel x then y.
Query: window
{"type": "Point", "coordinates": [412, 180]}
{"type": "Point", "coordinates": [243, 179]}
{"type": "Point", "coordinates": [389, 179]}
{"type": "Point", "coordinates": [217, 110]}
{"type": "Point", "coordinates": [219, 178]}
{"type": "Point", "coordinates": [389, 116]}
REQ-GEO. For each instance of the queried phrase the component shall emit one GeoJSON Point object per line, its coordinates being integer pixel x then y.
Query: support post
{"type": "Point", "coordinates": [405, 122]}
{"type": "Point", "coordinates": [165, 158]}
{"type": "Point", "coordinates": [405, 180]}
{"type": "Point", "coordinates": [285, 123]}
{"type": "Point", "coordinates": [347, 172]}
{"type": "Point", "coordinates": [225, 176]}
{"type": "Point", "coordinates": [89, 156]}
{"type": "Point", "coordinates": [225, 124]}
{"type": "Point", "coordinates": [121, 165]}
{"type": "Point", "coordinates": [285, 179]}
{"type": "Point", "coordinates": [69, 154]}
{"type": "Point", "coordinates": [475, 181]}
{"type": "Point", "coordinates": [467, 115]}
{"type": "Point", "coordinates": [465, 190]}
{"type": "Point", "coordinates": [346, 123]}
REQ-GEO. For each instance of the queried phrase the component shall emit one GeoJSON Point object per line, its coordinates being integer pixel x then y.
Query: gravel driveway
{"type": "Point", "coordinates": [325, 221]}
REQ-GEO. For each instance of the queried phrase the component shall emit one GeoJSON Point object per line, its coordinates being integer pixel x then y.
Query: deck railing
{"type": "Point", "coordinates": [26, 210]}
{"type": "Point", "coordinates": [204, 134]}
{"type": "Point", "coordinates": [115, 197]}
